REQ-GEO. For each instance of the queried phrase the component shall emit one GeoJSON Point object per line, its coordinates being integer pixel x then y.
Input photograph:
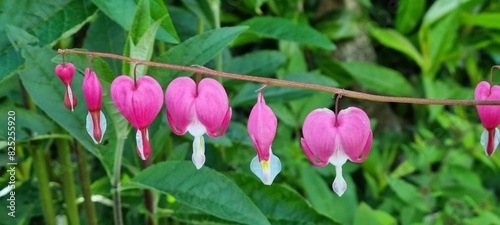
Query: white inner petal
{"type": "Point", "coordinates": [266, 171]}
{"type": "Point", "coordinates": [196, 128]}
{"type": "Point", "coordinates": [339, 185]}
{"type": "Point", "coordinates": [102, 121]}
{"type": "Point", "coordinates": [70, 96]}
{"type": "Point", "coordinates": [90, 126]}
{"type": "Point", "coordinates": [484, 140]}
{"type": "Point", "coordinates": [338, 158]}
{"type": "Point", "coordinates": [198, 156]}
{"type": "Point", "coordinates": [140, 146]}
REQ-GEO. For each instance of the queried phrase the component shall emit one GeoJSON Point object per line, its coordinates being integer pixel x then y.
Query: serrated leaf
{"type": "Point", "coordinates": [379, 79]}
{"type": "Point", "coordinates": [408, 193]}
{"type": "Point", "coordinates": [197, 50]}
{"type": "Point", "coordinates": [205, 189]}
{"type": "Point", "coordinates": [279, 203]}
{"type": "Point", "coordinates": [285, 29]}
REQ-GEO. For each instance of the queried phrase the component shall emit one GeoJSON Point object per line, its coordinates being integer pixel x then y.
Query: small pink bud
{"type": "Point", "coordinates": [198, 109]}
{"type": "Point", "coordinates": [65, 72]}
{"type": "Point", "coordinates": [92, 91]}
{"type": "Point", "coordinates": [489, 115]}
{"type": "Point", "coordinates": [336, 138]}
{"type": "Point", "coordinates": [262, 125]}
{"type": "Point", "coordinates": [139, 103]}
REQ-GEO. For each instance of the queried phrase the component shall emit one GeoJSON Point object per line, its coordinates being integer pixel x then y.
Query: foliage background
{"type": "Point", "coordinates": [426, 165]}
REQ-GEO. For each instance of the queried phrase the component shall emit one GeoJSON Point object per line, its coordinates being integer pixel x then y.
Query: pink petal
{"type": "Point", "coordinates": [65, 72]}
{"type": "Point", "coordinates": [355, 133]}
{"type": "Point", "coordinates": [319, 135]}
{"type": "Point", "coordinates": [310, 154]}
{"type": "Point", "coordinates": [139, 103]}
{"type": "Point", "coordinates": [489, 114]}
{"type": "Point", "coordinates": [92, 90]}
{"type": "Point", "coordinates": [212, 107]}
{"type": "Point", "coordinates": [179, 99]}
{"type": "Point", "coordinates": [262, 125]}
{"type": "Point", "coordinates": [69, 98]}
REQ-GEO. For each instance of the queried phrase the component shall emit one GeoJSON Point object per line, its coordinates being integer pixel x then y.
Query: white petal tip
{"type": "Point", "coordinates": [485, 140]}
{"type": "Point", "coordinates": [198, 152]}
{"type": "Point", "coordinates": [339, 185]}
{"type": "Point", "coordinates": [266, 171]}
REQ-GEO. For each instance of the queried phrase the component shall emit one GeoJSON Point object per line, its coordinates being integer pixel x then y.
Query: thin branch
{"type": "Point", "coordinates": [286, 83]}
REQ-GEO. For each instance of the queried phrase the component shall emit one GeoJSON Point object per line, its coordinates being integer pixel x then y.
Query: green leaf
{"type": "Point", "coordinates": [442, 37]}
{"type": "Point", "coordinates": [197, 50]}
{"type": "Point", "coordinates": [141, 21]}
{"type": "Point", "coordinates": [284, 29]}
{"type": "Point", "coordinates": [204, 189]}
{"type": "Point", "coordinates": [105, 35]}
{"type": "Point", "coordinates": [281, 204]}
{"type": "Point", "coordinates": [324, 199]}
{"type": "Point", "coordinates": [122, 12]}
{"type": "Point", "coordinates": [258, 63]}
{"type": "Point", "coordinates": [28, 123]}
{"type": "Point", "coordinates": [167, 31]}
{"type": "Point", "coordinates": [274, 94]}
{"type": "Point", "coordinates": [365, 215]}
{"type": "Point", "coordinates": [441, 8]}
{"type": "Point", "coordinates": [393, 39]}
{"type": "Point", "coordinates": [408, 15]}
{"type": "Point", "coordinates": [408, 193]}
{"type": "Point", "coordinates": [487, 20]}
{"type": "Point", "coordinates": [379, 79]}
{"type": "Point", "coordinates": [202, 10]}
{"type": "Point", "coordinates": [144, 49]}
{"type": "Point", "coordinates": [50, 24]}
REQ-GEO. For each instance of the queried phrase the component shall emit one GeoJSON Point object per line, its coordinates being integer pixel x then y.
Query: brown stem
{"type": "Point", "coordinates": [286, 83]}
{"type": "Point", "coordinates": [81, 158]}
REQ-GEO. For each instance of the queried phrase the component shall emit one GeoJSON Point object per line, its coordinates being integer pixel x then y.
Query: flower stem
{"type": "Point", "coordinates": [286, 83]}
{"type": "Point", "coordinates": [117, 205]}
{"type": "Point", "coordinates": [43, 185]}
{"type": "Point", "coordinates": [149, 198]}
{"type": "Point", "coordinates": [67, 181]}
{"type": "Point", "coordinates": [81, 158]}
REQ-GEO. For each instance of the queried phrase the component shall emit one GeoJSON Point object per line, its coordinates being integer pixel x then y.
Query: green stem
{"type": "Point", "coordinates": [286, 83]}
{"type": "Point", "coordinates": [117, 205]}
{"type": "Point", "coordinates": [43, 186]}
{"type": "Point", "coordinates": [149, 198]}
{"type": "Point", "coordinates": [81, 159]}
{"type": "Point", "coordinates": [67, 181]}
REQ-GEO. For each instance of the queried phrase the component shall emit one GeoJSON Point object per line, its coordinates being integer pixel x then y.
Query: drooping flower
{"type": "Point", "coordinates": [139, 103]}
{"type": "Point", "coordinates": [65, 72]}
{"type": "Point", "coordinates": [489, 115]}
{"type": "Point", "coordinates": [199, 109]}
{"type": "Point", "coordinates": [336, 138]}
{"type": "Point", "coordinates": [262, 125]}
{"type": "Point", "coordinates": [92, 91]}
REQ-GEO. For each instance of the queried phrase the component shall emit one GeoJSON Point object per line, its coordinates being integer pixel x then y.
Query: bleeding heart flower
{"type": "Point", "coordinates": [139, 103]}
{"type": "Point", "coordinates": [262, 125]}
{"type": "Point", "coordinates": [335, 138]}
{"type": "Point", "coordinates": [489, 115]}
{"type": "Point", "coordinates": [92, 91]}
{"type": "Point", "coordinates": [65, 72]}
{"type": "Point", "coordinates": [198, 109]}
